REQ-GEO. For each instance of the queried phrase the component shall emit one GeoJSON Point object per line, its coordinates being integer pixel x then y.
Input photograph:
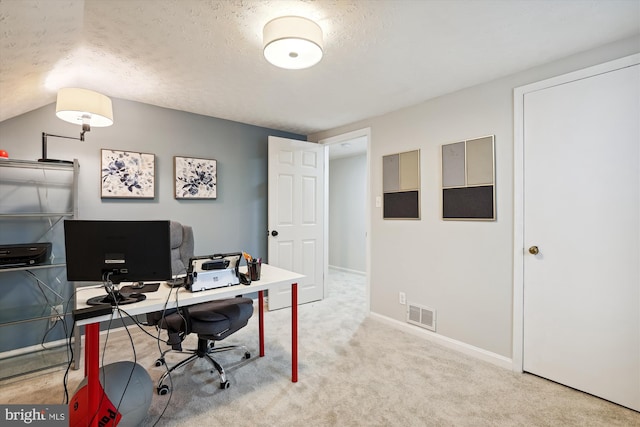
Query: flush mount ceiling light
{"type": "Point", "coordinates": [292, 42]}
{"type": "Point", "coordinates": [79, 106]}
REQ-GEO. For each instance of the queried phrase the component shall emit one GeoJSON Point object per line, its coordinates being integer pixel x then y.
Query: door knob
{"type": "Point", "coordinates": [274, 233]}
{"type": "Point", "coordinates": [533, 250]}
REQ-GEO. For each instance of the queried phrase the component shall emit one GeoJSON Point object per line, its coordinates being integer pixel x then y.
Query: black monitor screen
{"type": "Point", "coordinates": [117, 251]}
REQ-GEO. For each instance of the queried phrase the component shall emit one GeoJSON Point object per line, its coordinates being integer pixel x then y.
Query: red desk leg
{"type": "Point", "coordinates": [294, 332]}
{"type": "Point", "coordinates": [92, 369]}
{"type": "Point", "coordinates": [261, 321]}
{"type": "Point", "coordinates": [90, 406]}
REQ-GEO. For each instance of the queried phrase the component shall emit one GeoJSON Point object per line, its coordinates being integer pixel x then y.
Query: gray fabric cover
{"type": "Point", "coordinates": [181, 247]}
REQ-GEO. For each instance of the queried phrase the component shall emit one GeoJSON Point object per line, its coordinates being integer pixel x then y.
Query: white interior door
{"type": "Point", "coordinates": [296, 217]}
{"type": "Point", "coordinates": [582, 212]}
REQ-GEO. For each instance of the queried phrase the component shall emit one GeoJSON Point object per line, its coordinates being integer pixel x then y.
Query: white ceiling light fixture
{"type": "Point", "coordinates": [292, 42]}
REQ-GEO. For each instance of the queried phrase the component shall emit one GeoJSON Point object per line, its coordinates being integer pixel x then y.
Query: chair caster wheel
{"type": "Point", "coordinates": [163, 389]}
{"type": "Point", "coordinates": [247, 355]}
{"type": "Point", "coordinates": [225, 385]}
{"type": "Point", "coordinates": [160, 362]}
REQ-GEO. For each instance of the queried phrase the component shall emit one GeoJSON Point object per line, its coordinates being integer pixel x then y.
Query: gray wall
{"type": "Point", "coordinates": [462, 269]}
{"type": "Point", "coordinates": [347, 190]}
{"type": "Point", "coordinates": [235, 221]}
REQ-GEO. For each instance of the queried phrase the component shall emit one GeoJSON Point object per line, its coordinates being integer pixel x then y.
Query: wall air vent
{"type": "Point", "coordinates": [424, 317]}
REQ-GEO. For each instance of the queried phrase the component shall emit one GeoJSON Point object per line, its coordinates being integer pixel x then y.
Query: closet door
{"type": "Point", "coordinates": [582, 234]}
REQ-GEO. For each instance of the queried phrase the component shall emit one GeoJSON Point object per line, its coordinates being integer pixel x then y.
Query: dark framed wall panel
{"type": "Point", "coordinates": [468, 180]}
{"type": "Point", "coordinates": [402, 205]}
{"type": "Point", "coordinates": [468, 203]}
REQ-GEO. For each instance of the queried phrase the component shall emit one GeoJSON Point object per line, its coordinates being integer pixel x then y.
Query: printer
{"type": "Point", "coordinates": [22, 254]}
{"type": "Point", "coordinates": [213, 271]}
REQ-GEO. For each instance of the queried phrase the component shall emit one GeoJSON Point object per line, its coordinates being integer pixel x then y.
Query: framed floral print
{"type": "Point", "coordinates": [127, 174]}
{"type": "Point", "coordinates": [195, 178]}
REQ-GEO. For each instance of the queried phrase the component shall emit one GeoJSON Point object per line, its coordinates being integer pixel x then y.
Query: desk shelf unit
{"type": "Point", "coordinates": [35, 199]}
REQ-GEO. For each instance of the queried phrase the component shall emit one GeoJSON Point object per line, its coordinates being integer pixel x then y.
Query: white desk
{"type": "Point", "coordinates": [165, 297]}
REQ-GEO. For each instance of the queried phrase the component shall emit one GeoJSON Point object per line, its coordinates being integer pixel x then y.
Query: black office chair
{"type": "Point", "coordinates": [212, 321]}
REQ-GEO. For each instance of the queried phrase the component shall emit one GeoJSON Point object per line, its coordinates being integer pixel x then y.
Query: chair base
{"type": "Point", "coordinates": [204, 351]}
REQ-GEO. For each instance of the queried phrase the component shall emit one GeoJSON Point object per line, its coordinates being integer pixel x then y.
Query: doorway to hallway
{"type": "Point", "coordinates": [347, 209]}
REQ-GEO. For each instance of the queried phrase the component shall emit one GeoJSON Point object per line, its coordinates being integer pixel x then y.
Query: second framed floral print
{"type": "Point", "coordinates": [195, 178]}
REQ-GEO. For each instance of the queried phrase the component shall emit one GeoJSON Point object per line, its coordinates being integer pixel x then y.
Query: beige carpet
{"type": "Point", "coordinates": [354, 371]}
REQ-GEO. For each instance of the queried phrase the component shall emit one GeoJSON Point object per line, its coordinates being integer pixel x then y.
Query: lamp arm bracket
{"type": "Point", "coordinates": [45, 135]}
{"type": "Point", "coordinates": [44, 142]}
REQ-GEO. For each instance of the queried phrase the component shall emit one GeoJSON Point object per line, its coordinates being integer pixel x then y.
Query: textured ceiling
{"type": "Point", "coordinates": [206, 57]}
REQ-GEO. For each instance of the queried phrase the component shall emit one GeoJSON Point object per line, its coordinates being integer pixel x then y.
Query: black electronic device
{"type": "Point", "coordinates": [117, 251]}
{"type": "Point", "coordinates": [93, 311]}
{"type": "Point", "coordinates": [177, 282]}
{"type": "Point", "coordinates": [215, 264]}
{"type": "Point", "coordinates": [22, 254]}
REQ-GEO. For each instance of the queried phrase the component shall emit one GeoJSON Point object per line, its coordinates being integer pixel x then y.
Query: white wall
{"type": "Point", "coordinates": [462, 269]}
{"type": "Point", "coordinates": [347, 190]}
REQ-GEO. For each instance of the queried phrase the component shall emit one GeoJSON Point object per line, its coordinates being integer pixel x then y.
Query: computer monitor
{"type": "Point", "coordinates": [117, 251]}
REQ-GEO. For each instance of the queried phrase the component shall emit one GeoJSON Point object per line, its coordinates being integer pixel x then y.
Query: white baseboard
{"type": "Point", "coordinates": [348, 270]}
{"type": "Point", "coordinates": [478, 353]}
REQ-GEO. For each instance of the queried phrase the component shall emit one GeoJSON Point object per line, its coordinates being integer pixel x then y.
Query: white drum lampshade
{"type": "Point", "coordinates": [81, 107]}
{"type": "Point", "coordinates": [74, 105]}
{"type": "Point", "coordinates": [292, 42]}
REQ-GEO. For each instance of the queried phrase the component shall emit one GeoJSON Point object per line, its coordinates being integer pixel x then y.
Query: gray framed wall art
{"type": "Point", "coordinates": [401, 185]}
{"type": "Point", "coordinates": [468, 180]}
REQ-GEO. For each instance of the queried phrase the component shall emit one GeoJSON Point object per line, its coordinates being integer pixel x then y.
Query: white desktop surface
{"type": "Point", "coordinates": [166, 297]}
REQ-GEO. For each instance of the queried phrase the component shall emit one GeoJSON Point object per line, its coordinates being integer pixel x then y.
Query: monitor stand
{"type": "Point", "coordinates": [114, 297]}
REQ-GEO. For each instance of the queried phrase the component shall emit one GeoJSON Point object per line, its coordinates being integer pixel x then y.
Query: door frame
{"type": "Point", "coordinates": [518, 186]}
{"type": "Point", "coordinates": [365, 132]}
